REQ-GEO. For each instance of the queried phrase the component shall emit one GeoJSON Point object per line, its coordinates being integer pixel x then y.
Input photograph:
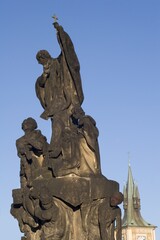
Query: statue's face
{"type": "Point", "coordinates": [115, 200]}
{"type": "Point", "coordinates": [28, 125]}
{"type": "Point", "coordinates": [43, 56]}
{"type": "Point", "coordinates": [43, 61]}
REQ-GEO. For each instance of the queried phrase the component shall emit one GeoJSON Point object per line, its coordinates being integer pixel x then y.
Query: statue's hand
{"type": "Point", "coordinates": [44, 115]}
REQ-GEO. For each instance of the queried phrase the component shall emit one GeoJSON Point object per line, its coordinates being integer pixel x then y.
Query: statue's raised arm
{"type": "Point", "coordinates": [59, 88]}
{"type": "Point", "coordinates": [71, 59]}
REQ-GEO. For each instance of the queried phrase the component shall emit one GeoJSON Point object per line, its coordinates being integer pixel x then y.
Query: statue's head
{"type": "Point", "coordinates": [43, 56]}
{"type": "Point", "coordinates": [116, 199]}
{"type": "Point", "coordinates": [29, 124]}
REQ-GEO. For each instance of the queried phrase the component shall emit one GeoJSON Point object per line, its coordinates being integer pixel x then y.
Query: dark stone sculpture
{"type": "Point", "coordinates": [63, 194]}
{"type": "Point", "coordinates": [32, 150]}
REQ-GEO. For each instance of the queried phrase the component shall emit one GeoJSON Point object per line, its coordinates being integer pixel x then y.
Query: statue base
{"type": "Point", "coordinates": [65, 207]}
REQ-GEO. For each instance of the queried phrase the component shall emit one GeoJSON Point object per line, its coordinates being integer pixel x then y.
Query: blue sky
{"type": "Point", "coordinates": [118, 46]}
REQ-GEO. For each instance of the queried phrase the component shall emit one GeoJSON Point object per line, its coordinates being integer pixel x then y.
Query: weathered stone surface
{"type": "Point", "coordinates": [63, 194]}
{"type": "Point", "coordinates": [75, 190]}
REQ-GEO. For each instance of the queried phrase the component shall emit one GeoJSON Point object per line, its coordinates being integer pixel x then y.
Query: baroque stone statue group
{"type": "Point", "coordinates": [63, 194]}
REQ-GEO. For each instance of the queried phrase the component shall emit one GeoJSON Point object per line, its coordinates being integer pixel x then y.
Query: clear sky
{"type": "Point", "coordinates": [118, 46]}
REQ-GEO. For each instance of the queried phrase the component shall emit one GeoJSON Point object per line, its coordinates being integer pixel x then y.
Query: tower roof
{"type": "Point", "coordinates": [131, 204]}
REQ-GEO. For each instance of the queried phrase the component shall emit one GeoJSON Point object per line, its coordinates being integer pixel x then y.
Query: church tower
{"type": "Point", "coordinates": [134, 227]}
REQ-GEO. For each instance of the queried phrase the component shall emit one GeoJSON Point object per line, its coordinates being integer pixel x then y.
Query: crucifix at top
{"type": "Point", "coordinates": [55, 18]}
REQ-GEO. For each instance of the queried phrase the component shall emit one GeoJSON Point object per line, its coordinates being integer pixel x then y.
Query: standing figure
{"type": "Point", "coordinates": [88, 142]}
{"type": "Point", "coordinates": [59, 87]}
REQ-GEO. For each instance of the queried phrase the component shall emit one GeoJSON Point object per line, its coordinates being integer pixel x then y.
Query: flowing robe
{"type": "Point", "coordinates": [62, 88]}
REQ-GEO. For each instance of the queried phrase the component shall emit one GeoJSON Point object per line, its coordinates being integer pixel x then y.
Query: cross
{"type": "Point", "coordinates": [55, 18]}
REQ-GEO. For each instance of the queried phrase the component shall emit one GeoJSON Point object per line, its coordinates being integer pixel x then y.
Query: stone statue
{"type": "Point", "coordinates": [52, 214]}
{"type": "Point", "coordinates": [59, 87]}
{"type": "Point", "coordinates": [109, 214]}
{"type": "Point", "coordinates": [63, 194]}
{"type": "Point", "coordinates": [23, 210]}
{"type": "Point", "coordinates": [32, 150]}
{"type": "Point", "coordinates": [88, 142]}
{"type": "Point", "coordinates": [68, 160]}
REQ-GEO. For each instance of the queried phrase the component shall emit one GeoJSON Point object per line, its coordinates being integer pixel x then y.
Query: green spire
{"type": "Point", "coordinates": [131, 205]}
